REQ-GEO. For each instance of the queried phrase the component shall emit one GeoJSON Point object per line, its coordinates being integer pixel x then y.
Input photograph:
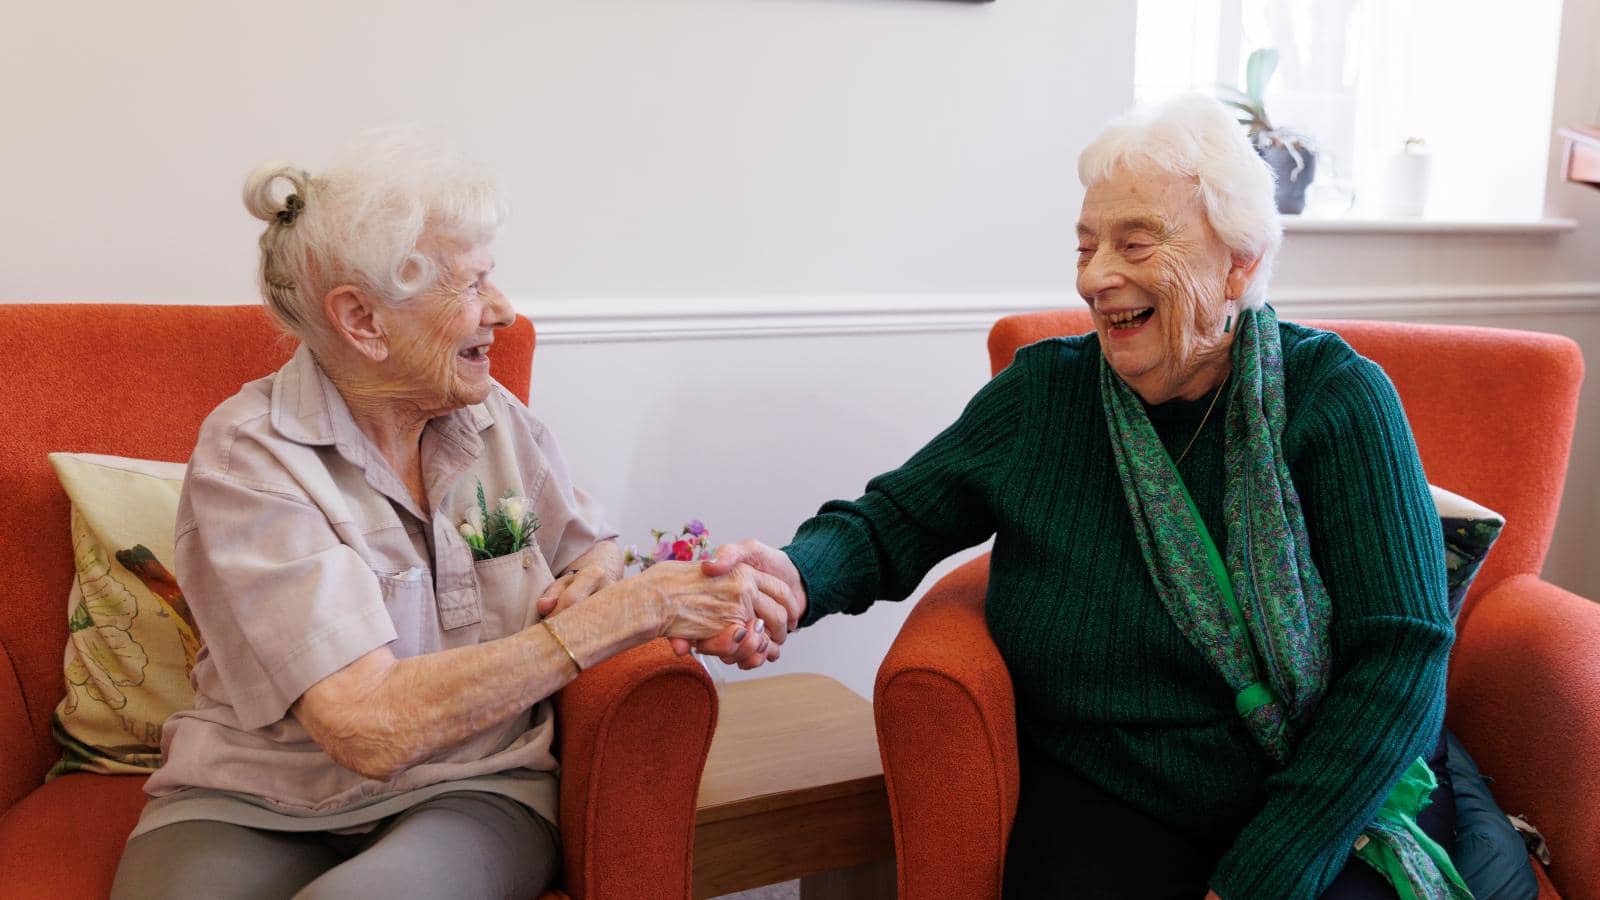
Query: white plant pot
{"type": "Point", "coordinates": [1405, 184]}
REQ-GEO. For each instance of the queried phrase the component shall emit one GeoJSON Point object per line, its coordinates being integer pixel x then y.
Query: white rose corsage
{"type": "Point", "coordinates": [504, 530]}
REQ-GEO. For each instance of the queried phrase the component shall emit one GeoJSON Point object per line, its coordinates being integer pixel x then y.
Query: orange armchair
{"type": "Point", "coordinates": [137, 381]}
{"type": "Point", "coordinates": [1493, 413]}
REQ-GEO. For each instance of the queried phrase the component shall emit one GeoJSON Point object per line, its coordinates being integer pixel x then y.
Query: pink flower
{"type": "Point", "coordinates": [692, 542]}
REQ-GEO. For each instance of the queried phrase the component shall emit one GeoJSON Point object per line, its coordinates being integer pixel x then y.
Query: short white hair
{"type": "Point", "coordinates": [1195, 137]}
{"type": "Point", "coordinates": [360, 220]}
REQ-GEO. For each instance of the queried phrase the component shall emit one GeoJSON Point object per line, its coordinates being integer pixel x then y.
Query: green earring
{"type": "Point", "coordinates": [1227, 324]}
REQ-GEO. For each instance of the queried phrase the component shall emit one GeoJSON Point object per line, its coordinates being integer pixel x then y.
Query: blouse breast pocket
{"type": "Point", "coordinates": [408, 597]}
{"type": "Point", "coordinates": [507, 587]}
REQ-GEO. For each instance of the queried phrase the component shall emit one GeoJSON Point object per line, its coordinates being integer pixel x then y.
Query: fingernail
{"type": "Point", "coordinates": [765, 643]}
{"type": "Point", "coordinates": [761, 625]}
{"type": "Point", "coordinates": [740, 635]}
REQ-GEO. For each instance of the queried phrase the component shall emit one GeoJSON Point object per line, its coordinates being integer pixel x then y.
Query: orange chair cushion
{"type": "Point", "coordinates": [65, 838]}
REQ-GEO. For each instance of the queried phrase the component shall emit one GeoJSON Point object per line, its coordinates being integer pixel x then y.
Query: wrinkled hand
{"type": "Point", "coordinates": [756, 642]}
{"type": "Point", "coordinates": [695, 606]}
{"type": "Point", "coordinates": [595, 570]}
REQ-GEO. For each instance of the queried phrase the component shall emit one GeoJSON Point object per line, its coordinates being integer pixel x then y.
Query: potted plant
{"type": "Point", "coordinates": [1291, 155]}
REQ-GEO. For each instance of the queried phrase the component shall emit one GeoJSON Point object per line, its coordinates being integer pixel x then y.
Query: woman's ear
{"type": "Point", "coordinates": [1241, 269]}
{"type": "Point", "coordinates": [354, 316]}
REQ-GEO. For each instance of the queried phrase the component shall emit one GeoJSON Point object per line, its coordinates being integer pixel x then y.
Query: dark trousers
{"type": "Point", "coordinates": [1073, 840]}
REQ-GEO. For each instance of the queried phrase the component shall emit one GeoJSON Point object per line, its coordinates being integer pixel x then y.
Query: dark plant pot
{"type": "Point", "coordinates": [1291, 190]}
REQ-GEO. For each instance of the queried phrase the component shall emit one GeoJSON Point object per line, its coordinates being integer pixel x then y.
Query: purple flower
{"type": "Point", "coordinates": [663, 551]}
{"type": "Point", "coordinates": [695, 527]}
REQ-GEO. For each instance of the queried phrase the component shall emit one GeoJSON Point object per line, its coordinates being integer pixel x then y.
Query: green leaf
{"type": "Point", "coordinates": [1232, 94]}
{"type": "Point", "coordinates": [80, 619]}
{"type": "Point", "coordinates": [1249, 109]}
{"type": "Point", "coordinates": [1258, 71]}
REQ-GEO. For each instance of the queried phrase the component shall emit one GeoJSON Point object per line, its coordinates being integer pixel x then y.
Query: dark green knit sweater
{"type": "Point", "coordinates": [1105, 682]}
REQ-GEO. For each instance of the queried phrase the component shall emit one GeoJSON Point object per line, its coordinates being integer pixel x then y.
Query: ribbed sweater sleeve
{"type": "Point", "coordinates": [878, 547]}
{"type": "Point", "coordinates": [1377, 545]}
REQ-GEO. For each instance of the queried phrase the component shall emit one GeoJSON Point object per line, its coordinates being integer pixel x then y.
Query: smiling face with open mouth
{"type": "Point", "coordinates": [441, 340]}
{"type": "Point", "coordinates": [1157, 277]}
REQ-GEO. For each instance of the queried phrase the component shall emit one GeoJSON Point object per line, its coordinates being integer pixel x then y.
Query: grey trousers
{"type": "Point", "coordinates": [464, 844]}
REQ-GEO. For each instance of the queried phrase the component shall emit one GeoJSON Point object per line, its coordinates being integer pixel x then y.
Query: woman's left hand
{"type": "Point", "coordinates": [595, 570]}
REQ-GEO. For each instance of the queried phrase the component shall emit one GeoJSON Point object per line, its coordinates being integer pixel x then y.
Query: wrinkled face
{"type": "Point", "coordinates": [1156, 277]}
{"type": "Point", "coordinates": [439, 341]}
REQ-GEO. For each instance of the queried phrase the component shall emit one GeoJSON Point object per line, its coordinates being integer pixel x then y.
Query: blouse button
{"type": "Point", "coordinates": [527, 561]}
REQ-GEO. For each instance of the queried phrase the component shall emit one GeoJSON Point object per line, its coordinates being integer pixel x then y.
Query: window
{"type": "Point", "coordinates": [1472, 79]}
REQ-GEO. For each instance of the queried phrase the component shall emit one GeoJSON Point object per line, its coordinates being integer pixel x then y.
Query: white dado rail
{"type": "Point", "coordinates": [601, 320]}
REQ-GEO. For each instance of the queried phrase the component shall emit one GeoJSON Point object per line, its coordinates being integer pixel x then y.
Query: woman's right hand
{"type": "Point", "coordinates": [692, 605]}
{"type": "Point", "coordinates": [743, 648]}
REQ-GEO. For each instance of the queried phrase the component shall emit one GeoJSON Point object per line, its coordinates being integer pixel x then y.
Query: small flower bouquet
{"type": "Point", "coordinates": [692, 542]}
{"type": "Point", "coordinates": [507, 528]}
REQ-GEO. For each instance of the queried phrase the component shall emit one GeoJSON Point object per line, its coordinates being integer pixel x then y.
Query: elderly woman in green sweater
{"type": "Point", "coordinates": [1217, 577]}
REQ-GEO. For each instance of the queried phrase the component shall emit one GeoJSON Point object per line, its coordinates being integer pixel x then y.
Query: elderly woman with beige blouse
{"type": "Point", "coordinates": [371, 713]}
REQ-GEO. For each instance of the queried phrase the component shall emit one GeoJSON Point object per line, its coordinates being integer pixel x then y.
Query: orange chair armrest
{"type": "Point", "coordinates": [634, 733]}
{"type": "Point", "coordinates": [1525, 701]}
{"type": "Point", "coordinates": [948, 735]}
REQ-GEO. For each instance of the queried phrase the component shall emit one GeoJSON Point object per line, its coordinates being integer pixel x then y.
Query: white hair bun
{"type": "Point", "coordinates": [260, 196]}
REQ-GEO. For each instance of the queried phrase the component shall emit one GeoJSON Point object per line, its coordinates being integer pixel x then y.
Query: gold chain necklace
{"type": "Point", "coordinates": [1203, 420]}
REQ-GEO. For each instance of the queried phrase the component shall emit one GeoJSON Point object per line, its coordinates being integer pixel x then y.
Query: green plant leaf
{"type": "Point", "coordinates": [1232, 93]}
{"type": "Point", "coordinates": [1258, 71]}
{"type": "Point", "coordinates": [1245, 107]}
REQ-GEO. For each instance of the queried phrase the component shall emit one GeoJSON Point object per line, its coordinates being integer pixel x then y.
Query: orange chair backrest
{"type": "Point", "coordinates": [124, 379]}
{"type": "Point", "coordinates": [1493, 412]}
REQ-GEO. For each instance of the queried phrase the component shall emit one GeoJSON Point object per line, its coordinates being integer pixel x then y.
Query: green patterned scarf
{"type": "Point", "coordinates": [1259, 616]}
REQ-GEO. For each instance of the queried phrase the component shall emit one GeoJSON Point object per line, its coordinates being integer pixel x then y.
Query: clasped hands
{"type": "Point", "coordinates": [777, 609]}
{"type": "Point", "coordinates": [739, 606]}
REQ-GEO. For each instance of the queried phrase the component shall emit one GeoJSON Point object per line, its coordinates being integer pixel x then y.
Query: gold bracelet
{"type": "Point", "coordinates": [562, 644]}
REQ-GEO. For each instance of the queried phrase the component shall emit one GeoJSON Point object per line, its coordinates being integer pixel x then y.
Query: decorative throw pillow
{"type": "Point", "coordinates": [131, 641]}
{"type": "Point", "coordinates": [1469, 531]}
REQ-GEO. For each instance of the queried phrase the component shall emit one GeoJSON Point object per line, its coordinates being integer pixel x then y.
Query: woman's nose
{"type": "Point", "coordinates": [1097, 275]}
{"type": "Point", "coordinates": [498, 312]}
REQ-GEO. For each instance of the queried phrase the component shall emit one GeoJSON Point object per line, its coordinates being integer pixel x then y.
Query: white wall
{"type": "Point", "coordinates": [763, 239]}
{"type": "Point", "coordinates": [653, 148]}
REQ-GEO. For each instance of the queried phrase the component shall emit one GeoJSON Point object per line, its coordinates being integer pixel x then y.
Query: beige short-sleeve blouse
{"type": "Point", "coordinates": [299, 550]}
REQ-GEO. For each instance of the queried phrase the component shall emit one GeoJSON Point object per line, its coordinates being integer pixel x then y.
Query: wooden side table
{"type": "Point", "coordinates": [793, 788]}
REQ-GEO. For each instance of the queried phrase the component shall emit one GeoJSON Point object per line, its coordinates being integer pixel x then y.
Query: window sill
{"type": "Point", "coordinates": [1316, 225]}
